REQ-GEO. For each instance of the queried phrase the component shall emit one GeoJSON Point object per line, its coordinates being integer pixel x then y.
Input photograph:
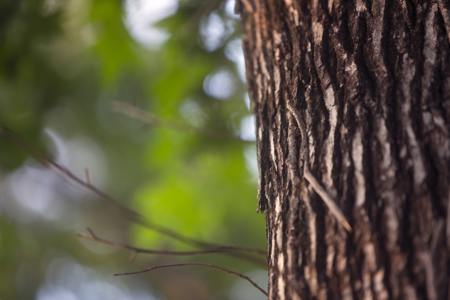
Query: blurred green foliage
{"type": "Point", "coordinates": [63, 65]}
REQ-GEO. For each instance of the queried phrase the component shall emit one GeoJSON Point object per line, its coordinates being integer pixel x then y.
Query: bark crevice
{"type": "Point", "coordinates": [358, 94]}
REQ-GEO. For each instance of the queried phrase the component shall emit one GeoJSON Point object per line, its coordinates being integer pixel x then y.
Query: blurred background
{"type": "Point", "coordinates": [145, 100]}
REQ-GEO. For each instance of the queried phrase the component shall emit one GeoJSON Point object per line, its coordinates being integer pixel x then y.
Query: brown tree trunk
{"type": "Point", "coordinates": [352, 102]}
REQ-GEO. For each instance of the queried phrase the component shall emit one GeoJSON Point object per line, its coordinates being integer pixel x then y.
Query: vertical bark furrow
{"type": "Point", "coordinates": [369, 83]}
{"type": "Point", "coordinates": [444, 10]}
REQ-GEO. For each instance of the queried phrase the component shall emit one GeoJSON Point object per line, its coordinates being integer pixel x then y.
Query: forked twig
{"type": "Point", "coordinates": [211, 266]}
{"type": "Point", "coordinates": [238, 252]}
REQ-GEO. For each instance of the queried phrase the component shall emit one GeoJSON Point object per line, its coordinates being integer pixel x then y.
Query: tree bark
{"type": "Point", "coordinates": [352, 105]}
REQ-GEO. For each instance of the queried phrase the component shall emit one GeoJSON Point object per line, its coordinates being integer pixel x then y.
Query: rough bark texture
{"type": "Point", "coordinates": [355, 94]}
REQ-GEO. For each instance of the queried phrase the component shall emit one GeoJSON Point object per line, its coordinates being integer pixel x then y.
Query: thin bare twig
{"type": "Point", "coordinates": [243, 253]}
{"type": "Point", "coordinates": [192, 241]}
{"type": "Point", "coordinates": [148, 118]}
{"type": "Point", "coordinates": [92, 236]}
{"type": "Point", "coordinates": [211, 266]}
{"type": "Point", "coordinates": [313, 182]}
{"type": "Point", "coordinates": [238, 252]}
{"type": "Point", "coordinates": [327, 199]}
{"type": "Point", "coordinates": [87, 176]}
{"type": "Point", "coordinates": [145, 117]}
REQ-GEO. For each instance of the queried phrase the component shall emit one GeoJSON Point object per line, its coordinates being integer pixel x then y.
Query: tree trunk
{"type": "Point", "coordinates": [352, 105]}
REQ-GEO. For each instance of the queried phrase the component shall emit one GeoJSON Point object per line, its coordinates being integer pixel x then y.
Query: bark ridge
{"type": "Point", "coordinates": [370, 84]}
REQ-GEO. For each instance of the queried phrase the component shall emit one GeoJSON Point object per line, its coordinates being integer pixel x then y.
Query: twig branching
{"type": "Point", "coordinates": [244, 253]}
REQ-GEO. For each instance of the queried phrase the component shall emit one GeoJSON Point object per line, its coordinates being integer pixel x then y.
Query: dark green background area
{"type": "Point", "coordinates": [69, 70]}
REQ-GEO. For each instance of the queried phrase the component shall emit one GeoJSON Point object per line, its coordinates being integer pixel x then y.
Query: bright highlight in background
{"type": "Point", "coordinates": [141, 15]}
